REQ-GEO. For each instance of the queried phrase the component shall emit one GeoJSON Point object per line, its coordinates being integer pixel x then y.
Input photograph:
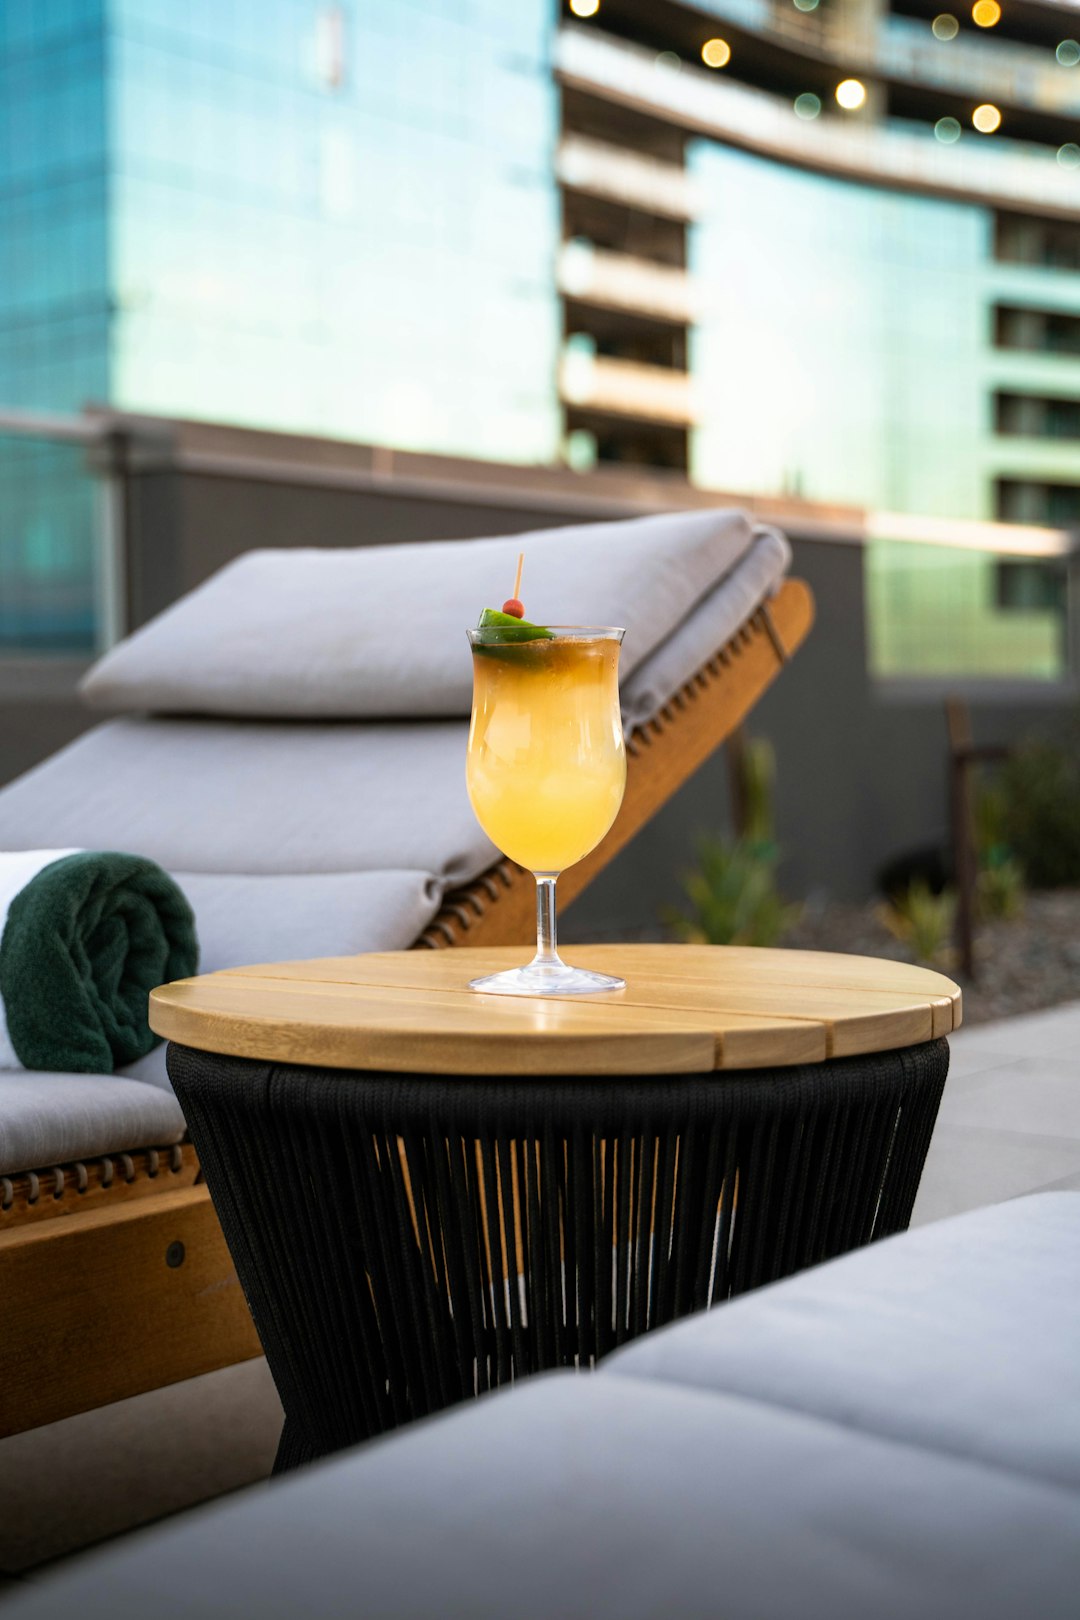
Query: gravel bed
{"type": "Point", "coordinates": [1031, 962]}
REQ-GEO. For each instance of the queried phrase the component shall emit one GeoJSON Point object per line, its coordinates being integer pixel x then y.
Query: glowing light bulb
{"type": "Point", "coordinates": [986, 13]}
{"type": "Point", "coordinates": [986, 118]}
{"type": "Point", "coordinates": [850, 93]}
{"type": "Point", "coordinates": [716, 53]}
{"type": "Point", "coordinates": [584, 8]}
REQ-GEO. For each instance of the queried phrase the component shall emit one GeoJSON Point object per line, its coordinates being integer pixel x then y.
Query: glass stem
{"type": "Point", "coordinates": [547, 954]}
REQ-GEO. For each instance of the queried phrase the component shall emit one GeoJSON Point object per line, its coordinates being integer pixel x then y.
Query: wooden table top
{"type": "Point", "coordinates": [686, 1009]}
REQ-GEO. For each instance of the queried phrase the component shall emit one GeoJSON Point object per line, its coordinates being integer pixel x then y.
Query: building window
{"type": "Point", "coordinates": [1035, 416]}
{"type": "Point", "coordinates": [1039, 330]}
{"type": "Point", "coordinates": [1050, 244]}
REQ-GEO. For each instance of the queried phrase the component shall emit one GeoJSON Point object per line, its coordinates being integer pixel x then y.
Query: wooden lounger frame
{"type": "Point", "coordinates": [114, 1275]}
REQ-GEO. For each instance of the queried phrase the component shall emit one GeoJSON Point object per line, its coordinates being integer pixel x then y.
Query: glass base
{"type": "Point", "coordinates": [547, 979]}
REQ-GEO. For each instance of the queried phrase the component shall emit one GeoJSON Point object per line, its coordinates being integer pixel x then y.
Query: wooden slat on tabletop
{"type": "Point", "coordinates": [685, 1009]}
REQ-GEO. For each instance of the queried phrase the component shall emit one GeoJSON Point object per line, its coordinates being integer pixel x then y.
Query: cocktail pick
{"type": "Point", "coordinates": [514, 604]}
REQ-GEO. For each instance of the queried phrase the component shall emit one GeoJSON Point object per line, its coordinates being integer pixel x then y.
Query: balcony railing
{"type": "Point", "coordinates": [625, 177]}
{"type": "Point", "coordinates": [998, 174]}
{"type": "Point", "coordinates": [626, 388]}
{"type": "Point", "coordinates": [619, 281]}
{"type": "Point", "coordinates": [904, 49]}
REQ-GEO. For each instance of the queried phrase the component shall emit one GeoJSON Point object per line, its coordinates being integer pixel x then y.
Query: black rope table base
{"type": "Point", "coordinates": [406, 1242]}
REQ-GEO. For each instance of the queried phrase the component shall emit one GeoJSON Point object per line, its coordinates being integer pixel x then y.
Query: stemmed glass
{"type": "Point", "coordinates": [546, 772]}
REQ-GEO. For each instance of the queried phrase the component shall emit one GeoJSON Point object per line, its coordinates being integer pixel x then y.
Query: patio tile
{"type": "Point", "coordinates": [1057, 1029]}
{"type": "Point", "coordinates": [1036, 1095]}
{"type": "Point", "coordinates": [969, 1166]}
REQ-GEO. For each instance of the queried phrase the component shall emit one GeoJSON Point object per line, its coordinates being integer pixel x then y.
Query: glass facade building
{"type": "Point", "coordinates": [506, 230]}
{"type": "Point", "coordinates": [335, 219]}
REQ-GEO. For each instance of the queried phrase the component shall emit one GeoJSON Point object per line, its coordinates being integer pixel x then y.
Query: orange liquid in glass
{"type": "Point", "coordinates": [546, 766]}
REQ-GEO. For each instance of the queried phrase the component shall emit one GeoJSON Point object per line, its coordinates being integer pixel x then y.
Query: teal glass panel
{"type": "Point", "coordinates": [54, 294]}
{"type": "Point", "coordinates": [54, 313]}
{"type": "Point", "coordinates": [339, 219]}
{"type": "Point", "coordinates": [840, 355]}
{"type": "Point", "coordinates": [48, 548]}
{"type": "Point", "coordinates": [942, 611]}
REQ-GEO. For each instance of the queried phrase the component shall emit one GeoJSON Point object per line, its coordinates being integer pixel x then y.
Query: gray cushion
{"type": "Point", "coordinates": [639, 1498]}
{"type": "Point", "coordinates": [379, 632]}
{"type": "Point", "coordinates": [986, 1305]}
{"type": "Point", "coordinates": [713, 622]}
{"type": "Point", "coordinates": [243, 919]}
{"type": "Point", "coordinates": [628, 1498]}
{"type": "Point", "coordinates": [54, 1118]}
{"type": "Point", "coordinates": [259, 797]}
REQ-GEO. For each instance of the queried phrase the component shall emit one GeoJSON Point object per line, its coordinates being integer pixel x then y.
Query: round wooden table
{"type": "Point", "coordinates": [428, 1192]}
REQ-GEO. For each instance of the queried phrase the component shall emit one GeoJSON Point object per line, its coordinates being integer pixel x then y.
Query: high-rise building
{"type": "Point", "coordinates": [824, 248]}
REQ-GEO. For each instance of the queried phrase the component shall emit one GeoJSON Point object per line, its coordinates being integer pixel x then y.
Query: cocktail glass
{"type": "Point", "coordinates": [546, 773]}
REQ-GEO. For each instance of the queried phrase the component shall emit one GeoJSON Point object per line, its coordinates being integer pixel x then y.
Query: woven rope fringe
{"type": "Point", "coordinates": [406, 1243]}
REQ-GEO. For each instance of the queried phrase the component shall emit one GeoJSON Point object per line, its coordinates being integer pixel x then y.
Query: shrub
{"type": "Point", "coordinates": [1001, 877]}
{"type": "Point", "coordinates": [923, 921]}
{"type": "Point", "coordinates": [733, 895]}
{"type": "Point", "coordinates": [1000, 890]}
{"type": "Point", "coordinates": [1041, 812]}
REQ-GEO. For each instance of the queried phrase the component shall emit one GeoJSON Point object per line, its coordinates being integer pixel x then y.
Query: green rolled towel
{"type": "Point", "coordinates": [84, 938]}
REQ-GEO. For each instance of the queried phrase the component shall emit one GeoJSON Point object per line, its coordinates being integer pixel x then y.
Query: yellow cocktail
{"type": "Point", "coordinates": [546, 767]}
{"type": "Point", "coordinates": [546, 770]}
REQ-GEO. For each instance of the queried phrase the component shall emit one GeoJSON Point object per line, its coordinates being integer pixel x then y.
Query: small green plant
{"type": "Point", "coordinates": [923, 921]}
{"type": "Point", "coordinates": [1000, 890]}
{"type": "Point", "coordinates": [733, 895]}
{"type": "Point", "coordinates": [1001, 879]}
{"type": "Point", "coordinates": [757, 774]}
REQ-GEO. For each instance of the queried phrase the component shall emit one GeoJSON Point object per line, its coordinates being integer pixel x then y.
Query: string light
{"type": "Point", "coordinates": [948, 130]}
{"type": "Point", "coordinates": [584, 8]}
{"type": "Point", "coordinates": [986, 118]}
{"type": "Point", "coordinates": [716, 53]}
{"type": "Point", "coordinates": [986, 13]}
{"type": "Point", "coordinates": [1068, 53]}
{"type": "Point", "coordinates": [850, 93]}
{"type": "Point", "coordinates": [945, 26]}
{"type": "Point", "coordinates": [807, 105]}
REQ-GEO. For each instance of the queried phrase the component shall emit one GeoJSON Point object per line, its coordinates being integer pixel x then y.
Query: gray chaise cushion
{"type": "Point", "coordinates": [379, 632]}
{"type": "Point", "coordinates": [243, 919]}
{"type": "Point", "coordinates": [48, 1119]}
{"type": "Point", "coordinates": [904, 1325]}
{"type": "Point", "coordinates": [260, 797]}
{"type": "Point", "coordinates": [626, 1498]}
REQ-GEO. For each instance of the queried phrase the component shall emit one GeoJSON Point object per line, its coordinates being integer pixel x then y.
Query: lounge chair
{"type": "Point", "coordinates": [289, 745]}
{"type": "Point", "coordinates": [896, 1433]}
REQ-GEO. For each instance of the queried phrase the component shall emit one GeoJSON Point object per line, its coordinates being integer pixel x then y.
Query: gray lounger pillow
{"type": "Point", "coordinates": [379, 632]}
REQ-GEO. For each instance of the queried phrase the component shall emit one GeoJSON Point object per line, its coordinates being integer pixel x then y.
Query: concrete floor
{"type": "Point", "coordinates": [1009, 1124]}
{"type": "Point", "coordinates": [1010, 1118]}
